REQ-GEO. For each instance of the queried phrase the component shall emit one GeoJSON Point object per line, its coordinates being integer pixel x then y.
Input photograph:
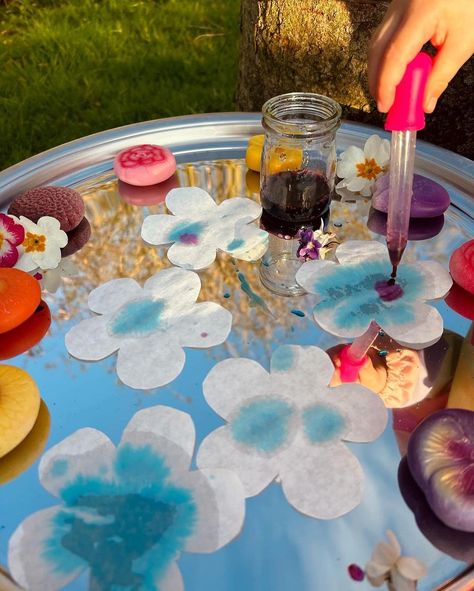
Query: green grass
{"type": "Point", "coordinates": [74, 67]}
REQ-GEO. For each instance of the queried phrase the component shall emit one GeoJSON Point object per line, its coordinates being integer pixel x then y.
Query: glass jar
{"type": "Point", "coordinates": [298, 161]}
{"type": "Point", "coordinates": [297, 179]}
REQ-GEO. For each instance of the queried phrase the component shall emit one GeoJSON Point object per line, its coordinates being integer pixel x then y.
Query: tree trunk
{"type": "Point", "coordinates": [321, 46]}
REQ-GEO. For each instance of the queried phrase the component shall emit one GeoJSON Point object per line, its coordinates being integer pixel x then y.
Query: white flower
{"type": "Point", "coordinates": [354, 292]}
{"type": "Point", "coordinates": [387, 564]}
{"type": "Point", "coordinates": [41, 247]}
{"type": "Point", "coordinates": [51, 279]}
{"type": "Point", "coordinates": [199, 227]}
{"type": "Point", "coordinates": [125, 513]}
{"type": "Point", "coordinates": [290, 425]}
{"type": "Point", "coordinates": [149, 326]}
{"type": "Point", "coordinates": [358, 168]}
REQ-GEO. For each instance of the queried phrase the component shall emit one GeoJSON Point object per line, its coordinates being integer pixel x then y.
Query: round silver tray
{"type": "Point", "coordinates": [278, 548]}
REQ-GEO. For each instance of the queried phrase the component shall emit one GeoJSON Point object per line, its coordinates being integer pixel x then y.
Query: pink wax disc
{"type": "Point", "coordinates": [144, 165]}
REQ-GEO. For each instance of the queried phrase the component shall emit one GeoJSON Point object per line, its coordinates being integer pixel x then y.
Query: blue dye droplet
{"type": "Point", "coordinates": [137, 318]}
{"type": "Point", "coordinates": [186, 233]}
{"type": "Point", "coordinates": [299, 313]}
{"type": "Point", "coordinates": [235, 244]}
{"type": "Point", "coordinates": [338, 224]}
{"type": "Point", "coordinates": [383, 353]}
{"type": "Point", "coordinates": [381, 333]}
{"type": "Point", "coordinates": [262, 424]}
{"type": "Point", "coordinates": [322, 423]}
{"type": "Point", "coordinates": [227, 295]}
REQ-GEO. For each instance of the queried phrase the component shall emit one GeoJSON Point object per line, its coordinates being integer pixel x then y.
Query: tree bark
{"type": "Point", "coordinates": [321, 46]}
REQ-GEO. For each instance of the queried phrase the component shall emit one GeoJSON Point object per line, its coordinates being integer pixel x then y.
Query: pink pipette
{"type": "Point", "coordinates": [404, 119]}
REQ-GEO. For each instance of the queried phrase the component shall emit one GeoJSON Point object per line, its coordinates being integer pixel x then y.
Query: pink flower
{"type": "Point", "coordinates": [143, 155]}
{"type": "Point", "coordinates": [11, 236]}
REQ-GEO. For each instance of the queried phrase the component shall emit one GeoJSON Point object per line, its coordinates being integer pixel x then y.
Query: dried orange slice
{"type": "Point", "coordinates": [19, 406]}
{"type": "Point", "coordinates": [20, 295]}
{"type": "Point", "coordinates": [27, 335]}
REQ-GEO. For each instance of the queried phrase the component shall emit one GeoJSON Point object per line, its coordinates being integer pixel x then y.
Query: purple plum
{"type": "Point", "coordinates": [441, 459]}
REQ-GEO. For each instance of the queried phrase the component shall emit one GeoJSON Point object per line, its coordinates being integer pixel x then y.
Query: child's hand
{"type": "Point", "coordinates": [408, 24]}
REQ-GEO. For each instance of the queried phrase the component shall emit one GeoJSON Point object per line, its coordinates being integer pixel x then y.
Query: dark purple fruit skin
{"type": "Point", "coordinates": [447, 511]}
{"type": "Point", "coordinates": [457, 544]}
{"type": "Point", "coordinates": [292, 199]}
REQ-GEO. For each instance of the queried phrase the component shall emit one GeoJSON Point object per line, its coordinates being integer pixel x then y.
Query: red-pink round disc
{"type": "Point", "coordinates": [144, 165]}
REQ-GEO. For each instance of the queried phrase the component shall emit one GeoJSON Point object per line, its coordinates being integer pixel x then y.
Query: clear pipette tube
{"type": "Point", "coordinates": [402, 162]}
{"type": "Point", "coordinates": [359, 347]}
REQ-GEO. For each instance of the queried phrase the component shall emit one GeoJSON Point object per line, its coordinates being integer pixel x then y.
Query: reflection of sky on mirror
{"type": "Point", "coordinates": [279, 549]}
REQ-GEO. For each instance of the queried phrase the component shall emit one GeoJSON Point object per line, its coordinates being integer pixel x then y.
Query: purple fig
{"type": "Point", "coordinates": [457, 544]}
{"type": "Point", "coordinates": [441, 459]}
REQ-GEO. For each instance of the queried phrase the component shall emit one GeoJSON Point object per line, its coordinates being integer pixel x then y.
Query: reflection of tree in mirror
{"type": "Point", "coordinates": [116, 250]}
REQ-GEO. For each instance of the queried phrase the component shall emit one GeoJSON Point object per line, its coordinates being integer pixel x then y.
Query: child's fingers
{"type": "Point", "coordinates": [450, 57]}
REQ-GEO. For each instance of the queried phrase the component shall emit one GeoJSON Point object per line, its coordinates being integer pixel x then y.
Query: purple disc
{"type": "Point", "coordinates": [429, 199]}
{"type": "Point", "coordinates": [419, 229]}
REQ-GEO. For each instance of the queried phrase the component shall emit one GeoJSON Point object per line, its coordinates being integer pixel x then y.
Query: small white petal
{"type": "Point", "coordinates": [358, 183]}
{"type": "Point", "coordinates": [411, 568]}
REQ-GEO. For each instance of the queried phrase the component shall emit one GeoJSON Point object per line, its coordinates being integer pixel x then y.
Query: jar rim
{"type": "Point", "coordinates": [325, 108]}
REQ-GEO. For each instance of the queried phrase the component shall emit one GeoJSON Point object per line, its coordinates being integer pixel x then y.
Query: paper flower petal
{"type": "Point", "coordinates": [87, 452]}
{"type": "Point", "coordinates": [179, 287]}
{"type": "Point", "coordinates": [151, 362]}
{"type": "Point", "coordinates": [368, 416]}
{"type": "Point", "coordinates": [190, 201]}
{"type": "Point", "coordinates": [196, 257]}
{"type": "Point", "coordinates": [171, 580]}
{"type": "Point", "coordinates": [110, 296]}
{"type": "Point", "coordinates": [310, 368]}
{"type": "Point", "coordinates": [355, 251]}
{"type": "Point", "coordinates": [221, 518]}
{"type": "Point", "coordinates": [207, 325]}
{"type": "Point", "coordinates": [164, 422]}
{"type": "Point", "coordinates": [156, 229]}
{"type": "Point", "coordinates": [305, 275]}
{"type": "Point", "coordinates": [248, 242]}
{"type": "Point", "coordinates": [89, 340]}
{"type": "Point", "coordinates": [255, 471]}
{"type": "Point", "coordinates": [31, 559]}
{"type": "Point", "coordinates": [437, 282]}
{"type": "Point", "coordinates": [323, 482]}
{"type": "Point", "coordinates": [246, 210]}
{"type": "Point", "coordinates": [243, 378]}
{"type": "Point", "coordinates": [425, 330]}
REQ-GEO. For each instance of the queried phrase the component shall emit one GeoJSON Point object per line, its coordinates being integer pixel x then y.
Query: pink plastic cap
{"type": "Point", "coordinates": [406, 113]}
{"type": "Point", "coordinates": [350, 367]}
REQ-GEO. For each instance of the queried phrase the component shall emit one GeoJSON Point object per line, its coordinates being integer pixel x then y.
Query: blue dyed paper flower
{"type": "Point", "coordinates": [149, 326]}
{"type": "Point", "coordinates": [199, 227]}
{"type": "Point", "coordinates": [125, 513]}
{"type": "Point", "coordinates": [354, 292]}
{"type": "Point", "coordinates": [289, 424]}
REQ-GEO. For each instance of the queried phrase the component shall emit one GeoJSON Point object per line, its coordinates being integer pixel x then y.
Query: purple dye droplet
{"type": "Point", "coordinates": [189, 238]}
{"type": "Point", "coordinates": [204, 334]}
{"type": "Point", "coordinates": [355, 572]}
{"type": "Point", "coordinates": [387, 292]}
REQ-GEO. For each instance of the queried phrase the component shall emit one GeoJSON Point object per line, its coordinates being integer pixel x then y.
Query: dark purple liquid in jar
{"type": "Point", "coordinates": [292, 199]}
